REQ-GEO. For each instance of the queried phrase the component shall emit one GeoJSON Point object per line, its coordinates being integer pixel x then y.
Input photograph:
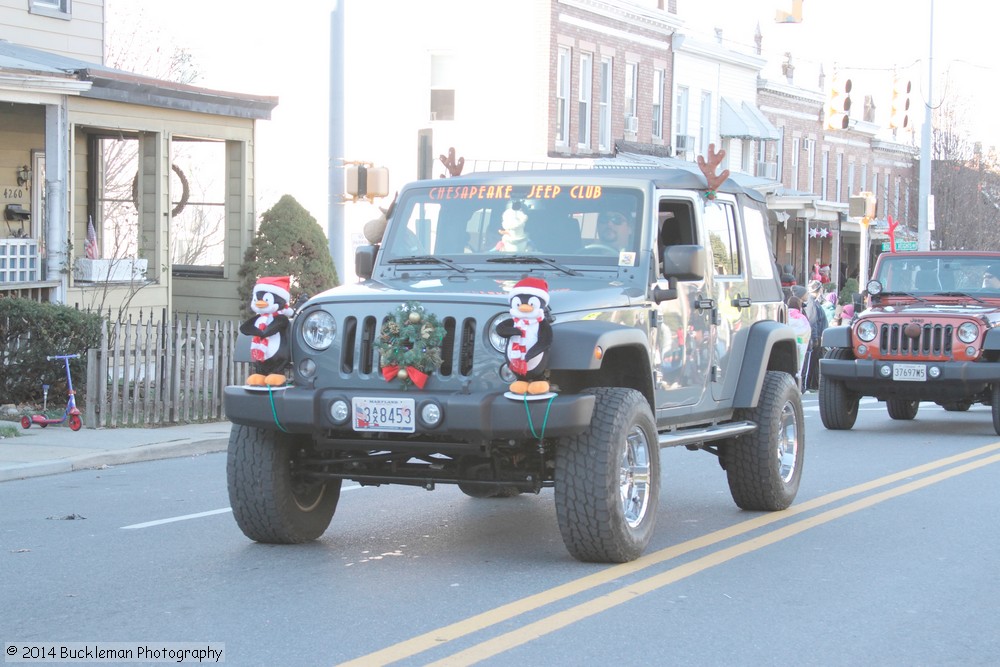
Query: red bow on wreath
{"type": "Point", "coordinates": [417, 377]}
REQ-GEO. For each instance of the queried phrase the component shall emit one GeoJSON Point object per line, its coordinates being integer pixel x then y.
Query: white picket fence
{"type": "Point", "coordinates": [159, 373]}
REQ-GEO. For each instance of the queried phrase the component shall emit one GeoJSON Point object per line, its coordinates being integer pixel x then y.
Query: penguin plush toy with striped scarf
{"type": "Point", "coordinates": [268, 329]}
{"type": "Point", "coordinates": [528, 331]}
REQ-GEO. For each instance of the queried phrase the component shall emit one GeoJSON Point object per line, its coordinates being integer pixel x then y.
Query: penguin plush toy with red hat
{"type": "Point", "coordinates": [528, 331]}
{"type": "Point", "coordinates": [269, 343]}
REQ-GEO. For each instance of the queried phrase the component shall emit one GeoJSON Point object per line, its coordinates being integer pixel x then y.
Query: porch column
{"type": "Point", "coordinates": [57, 217]}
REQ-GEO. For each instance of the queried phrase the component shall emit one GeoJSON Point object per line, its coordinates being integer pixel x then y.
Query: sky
{"type": "Point", "coordinates": [282, 49]}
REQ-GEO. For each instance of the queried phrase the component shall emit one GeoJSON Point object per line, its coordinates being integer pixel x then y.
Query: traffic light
{"type": "Point", "coordinates": [838, 105]}
{"type": "Point", "coordinates": [899, 114]}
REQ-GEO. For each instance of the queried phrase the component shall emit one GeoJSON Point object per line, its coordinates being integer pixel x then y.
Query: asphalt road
{"type": "Point", "coordinates": [888, 557]}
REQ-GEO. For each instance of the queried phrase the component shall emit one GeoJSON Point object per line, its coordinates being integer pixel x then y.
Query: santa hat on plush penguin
{"type": "Point", "coordinates": [532, 287]}
{"type": "Point", "coordinates": [276, 285]}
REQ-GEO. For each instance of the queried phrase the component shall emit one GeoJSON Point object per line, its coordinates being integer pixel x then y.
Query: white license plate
{"type": "Point", "coordinates": [909, 372]}
{"type": "Point", "coordinates": [383, 414]}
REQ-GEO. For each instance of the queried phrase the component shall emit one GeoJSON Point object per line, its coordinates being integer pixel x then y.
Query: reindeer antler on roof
{"type": "Point", "coordinates": [708, 168]}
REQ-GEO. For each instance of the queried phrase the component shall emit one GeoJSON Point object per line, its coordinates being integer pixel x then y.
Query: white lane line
{"type": "Point", "coordinates": [198, 515]}
{"type": "Point", "coordinates": [172, 519]}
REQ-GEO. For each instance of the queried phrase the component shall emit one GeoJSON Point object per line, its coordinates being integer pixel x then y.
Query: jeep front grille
{"type": "Point", "coordinates": [934, 341]}
{"type": "Point", "coordinates": [359, 353]}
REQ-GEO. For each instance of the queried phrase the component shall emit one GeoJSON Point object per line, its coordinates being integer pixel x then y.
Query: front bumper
{"type": "Point", "coordinates": [956, 380]}
{"type": "Point", "coordinates": [469, 418]}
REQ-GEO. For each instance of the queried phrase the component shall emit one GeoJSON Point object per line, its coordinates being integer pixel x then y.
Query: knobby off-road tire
{"type": "Point", "coordinates": [838, 406]}
{"type": "Point", "coordinates": [900, 408]}
{"type": "Point", "coordinates": [269, 503]}
{"type": "Point", "coordinates": [607, 485]}
{"type": "Point", "coordinates": [764, 467]}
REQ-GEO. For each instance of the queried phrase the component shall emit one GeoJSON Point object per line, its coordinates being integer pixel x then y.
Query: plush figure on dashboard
{"type": "Point", "coordinates": [268, 328]}
{"type": "Point", "coordinates": [528, 331]}
{"type": "Point", "coordinates": [512, 236]}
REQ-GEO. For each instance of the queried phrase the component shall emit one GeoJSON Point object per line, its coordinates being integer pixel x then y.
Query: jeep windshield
{"type": "Point", "coordinates": [953, 275]}
{"type": "Point", "coordinates": [500, 223]}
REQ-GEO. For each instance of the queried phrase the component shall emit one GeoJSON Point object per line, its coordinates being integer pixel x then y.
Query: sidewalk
{"type": "Point", "coordinates": [57, 449]}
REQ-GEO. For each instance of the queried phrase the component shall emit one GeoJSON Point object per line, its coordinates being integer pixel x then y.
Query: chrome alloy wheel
{"type": "Point", "coordinates": [634, 477]}
{"type": "Point", "coordinates": [788, 443]}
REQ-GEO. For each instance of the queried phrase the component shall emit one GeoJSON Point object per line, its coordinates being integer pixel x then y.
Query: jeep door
{"type": "Point", "coordinates": [684, 336]}
{"type": "Point", "coordinates": [730, 290]}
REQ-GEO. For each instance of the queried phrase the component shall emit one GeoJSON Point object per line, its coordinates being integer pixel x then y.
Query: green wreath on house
{"type": "Point", "coordinates": [409, 345]}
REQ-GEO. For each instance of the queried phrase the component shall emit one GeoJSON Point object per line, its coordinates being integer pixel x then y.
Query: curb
{"type": "Point", "coordinates": [137, 454]}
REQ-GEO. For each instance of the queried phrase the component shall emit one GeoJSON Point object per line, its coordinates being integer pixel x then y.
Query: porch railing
{"type": "Point", "coordinates": [19, 261]}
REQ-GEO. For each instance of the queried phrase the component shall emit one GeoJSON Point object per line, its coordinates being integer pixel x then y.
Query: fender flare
{"type": "Point", "coordinates": [841, 337]}
{"type": "Point", "coordinates": [770, 346]}
{"type": "Point", "coordinates": [992, 340]}
{"type": "Point", "coordinates": [573, 343]}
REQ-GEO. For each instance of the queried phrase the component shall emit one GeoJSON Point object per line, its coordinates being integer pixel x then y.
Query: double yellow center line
{"type": "Point", "coordinates": [561, 619]}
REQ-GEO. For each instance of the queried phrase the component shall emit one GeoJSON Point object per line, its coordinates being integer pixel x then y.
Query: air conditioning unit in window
{"type": "Point", "coordinates": [632, 124]}
{"type": "Point", "coordinates": [683, 143]}
{"type": "Point", "coordinates": [767, 170]}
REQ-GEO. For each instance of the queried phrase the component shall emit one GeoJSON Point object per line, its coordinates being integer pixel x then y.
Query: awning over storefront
{"type": "Point", "coordinates": [742, 120]}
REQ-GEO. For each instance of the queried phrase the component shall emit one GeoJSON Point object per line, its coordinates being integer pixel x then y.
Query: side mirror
{"type": "Point", "coordinates": [683, 262]}
{"type": "Point", "coordinates": [364, 260]}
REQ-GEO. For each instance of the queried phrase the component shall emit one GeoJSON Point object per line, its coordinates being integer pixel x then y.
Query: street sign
{"type": "Point", "coordinates": [900, 245]}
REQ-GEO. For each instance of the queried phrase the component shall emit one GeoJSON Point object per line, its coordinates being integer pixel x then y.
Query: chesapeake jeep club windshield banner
{"type": "Point", "coordinates": [505, 191]}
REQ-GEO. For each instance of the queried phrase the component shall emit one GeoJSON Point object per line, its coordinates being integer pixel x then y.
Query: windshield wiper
{"type": "Point", "coordinates": [961, 294]}
{"type": "Point", "coordinates": [430, 259]}
{"type": "Point", "coordinates": [533, 259]}
{"type": "Point", "coordinates": [892, 293]}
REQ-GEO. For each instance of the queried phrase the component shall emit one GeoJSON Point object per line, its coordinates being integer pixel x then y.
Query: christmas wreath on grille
{"type": "Point", "coordinates": [409, 345]}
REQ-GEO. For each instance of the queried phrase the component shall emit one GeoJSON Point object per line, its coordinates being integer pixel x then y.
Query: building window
{"type": "Point", "coordinates": [604, 113]}
{"type": "Point", "coordinates": [631, 96]}
{"type": "Point", "coordinates": [681, 114]}
{"type": "Point", "coordinates": [824, 175]}
{"type": "Point", "coordinates": [123, 199]}
{"type": "Point", "coordinates": [705, 128]}
{"type": "Point", "coordinates": [442, 87]}
{"type": "Point", "coordinates": [851, 173]}
{"type": "Point", "coordinates": [796, 143]}
{"type": "Point", "coordinates": [658, 79]}
{"type": "Point", "coordinates": [780, 157]}
{"type": "Point", "coordinates": [562, 97]}
{"type": "Point", "coordinates": [60, 9]}
{"type": "Point", "coordinates": [585, 97]}
{"type": "Point", "coordinates": [839, 179]}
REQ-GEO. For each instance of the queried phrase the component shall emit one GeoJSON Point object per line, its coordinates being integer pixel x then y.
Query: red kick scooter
{"type": "Point", "coordinates": [72, 413]}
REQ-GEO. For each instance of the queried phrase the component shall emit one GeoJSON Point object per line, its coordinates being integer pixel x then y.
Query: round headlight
{"type": "Point", "coordinates": [874, 287]}
{"type": "Point", "coordinates": [319, 329]}
{"type": "Point", "coordinates": [867, 331]}
{"type": "Point", "coordinates": [968, 332]}
{"type": "Point", "coordinates": [498, 342]}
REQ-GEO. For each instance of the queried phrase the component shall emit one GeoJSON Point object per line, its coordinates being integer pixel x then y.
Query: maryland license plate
{"type": "Point", "coordinates": [383, 414]}
{"type": "Point", "coordinates": [909, 372]}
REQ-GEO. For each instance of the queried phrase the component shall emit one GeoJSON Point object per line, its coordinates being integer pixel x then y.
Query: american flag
{"type": "Point", "coordinates": [91, 245]}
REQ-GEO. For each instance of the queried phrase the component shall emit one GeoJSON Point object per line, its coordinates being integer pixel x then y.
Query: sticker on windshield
{"type": "Point", "coordinates": [626, 258]}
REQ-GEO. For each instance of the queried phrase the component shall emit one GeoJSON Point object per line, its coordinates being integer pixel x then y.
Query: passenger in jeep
{"type": "Point", "coordinates": [991, 279]}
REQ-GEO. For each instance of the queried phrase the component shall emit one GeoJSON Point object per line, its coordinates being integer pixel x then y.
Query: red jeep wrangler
{"type": "Point", "coordinates": [928, 334]}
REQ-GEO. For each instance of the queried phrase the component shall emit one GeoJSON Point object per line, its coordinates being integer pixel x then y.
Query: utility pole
{"type": "Point", "coordinates": [923, 226]}
{"type": "Point", "coordinates": [336, 226]}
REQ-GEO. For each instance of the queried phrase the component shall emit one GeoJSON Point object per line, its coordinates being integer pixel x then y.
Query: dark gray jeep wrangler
{"type": "Point", "coordinates": [667, 329]}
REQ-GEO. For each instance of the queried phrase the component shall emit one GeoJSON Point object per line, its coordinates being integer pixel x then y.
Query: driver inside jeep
{"type": "Point", "coordinates": [614, 230]}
